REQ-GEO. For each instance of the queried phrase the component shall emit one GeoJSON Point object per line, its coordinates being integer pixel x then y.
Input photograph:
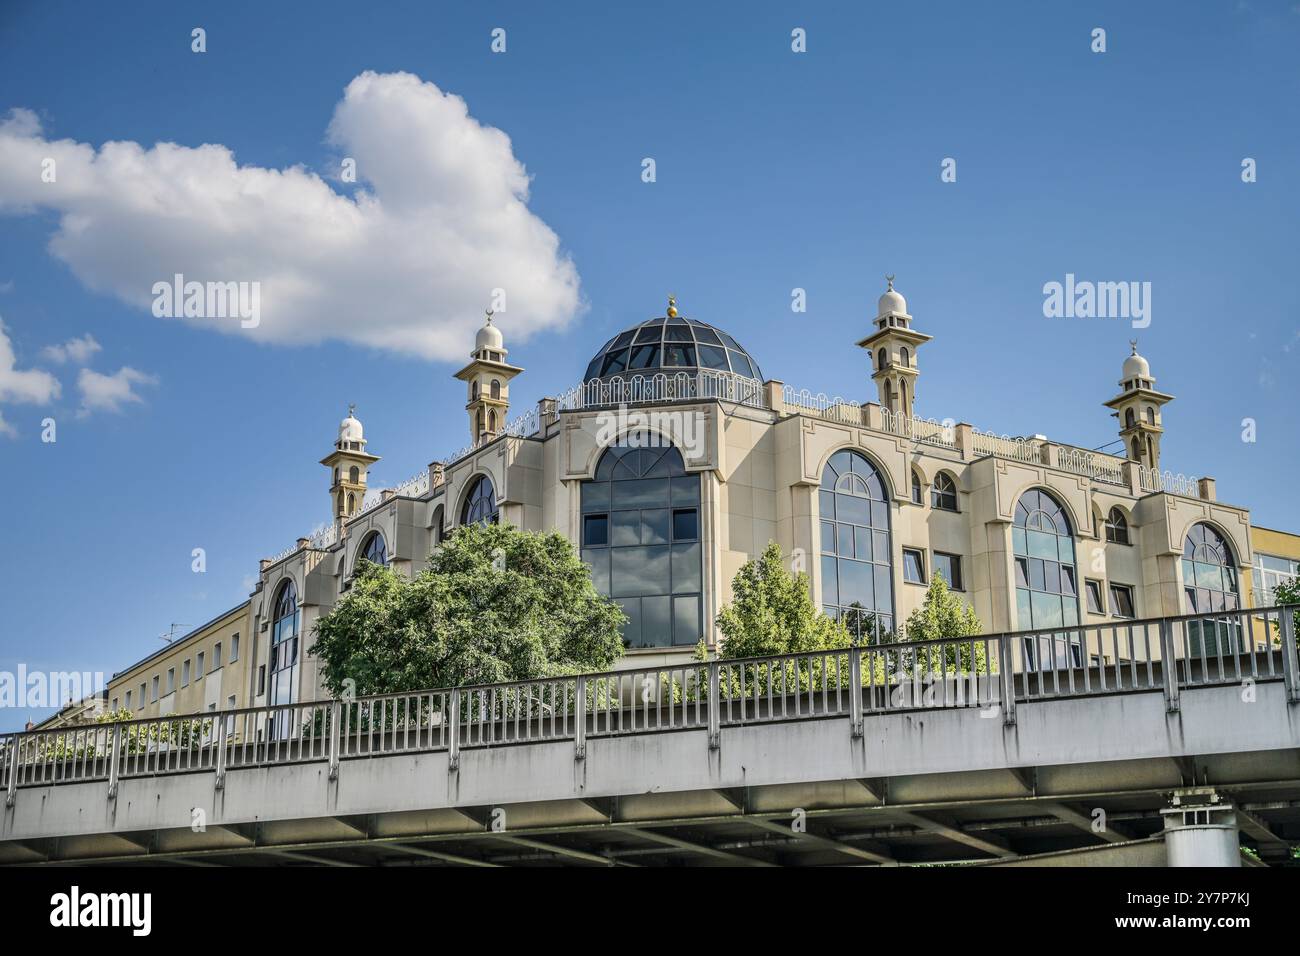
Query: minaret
{"type": "Point", "coordinates": [892, 348]}
{"type": "Point", "coordinates": [348, 463]}
{"type": "Point", "coordinates": [1138, 409]}
{"type": "Point", "coordinates": [488, 379]}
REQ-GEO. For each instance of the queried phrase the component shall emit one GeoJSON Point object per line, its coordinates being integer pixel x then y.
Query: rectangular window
{"type": "Point", "coordinates": [115, 703]}
{"type": "Point", "coordinates": [234, 649]}
{"type": "Point", "coordinates": [913, 566]}
{"type": "Point", "coordinates": [230, 721]}
{"type": "Point", "coordinates": [153, 697]}
{"type": "Point", "coordinates": [171, 679]}
{"type": "Point", "coordinates": [686, 524]}
{"type": "Point", "coordinates": [143, 695]}
{"type": "Point", "coordinates": [198, 670]}
{"type": "Point", "coordinates": [261, 679]}
{"type": "Point", "coordinates": [595, 530]}
{"type": "Point", "coordinates": [216, 656]}
{"type": "Point", "coordinates": [1094, 598]}
{"type": "Point", "coordinates": [949, 565]}
{"type": "Point", "coordinates": [128, 700]}
{"type": "Point", "coordinates": [185, 673]}
{"type": "Point", "coordinates": [1121, 600]}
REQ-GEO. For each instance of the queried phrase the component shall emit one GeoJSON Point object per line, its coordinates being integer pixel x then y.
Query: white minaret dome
{"type": "Point", "coordinates": [350, 428]}
{"type": "Point", "coordinates": [489, 337]}
{"type": "Point", "coordinates": [1135, 366]}
{"type": "Point", "coordinates": [891, 301]}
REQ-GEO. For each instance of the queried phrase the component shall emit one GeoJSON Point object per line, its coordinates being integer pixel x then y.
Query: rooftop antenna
{"type": "Point", "coordinates": [171, 633]}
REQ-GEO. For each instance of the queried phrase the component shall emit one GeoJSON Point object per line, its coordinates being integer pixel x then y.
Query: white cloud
{"type": "Point", "coordinates": [438, 221]}
{"type": "Point", "coordinates": [108, 393]}
{"type": "Point", "coordinates": [78, 351]}
{"type": "Point", "coordinates": [32, 386]}
{"type": "Point", "coordinates": [7, 430]}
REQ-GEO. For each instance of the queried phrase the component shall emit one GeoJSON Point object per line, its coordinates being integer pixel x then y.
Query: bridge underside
{"type": "Point", "coordinates": [996, 816]}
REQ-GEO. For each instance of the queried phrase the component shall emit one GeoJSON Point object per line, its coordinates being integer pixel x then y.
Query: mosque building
{"type": "Point", "coordinates": [676, 460]}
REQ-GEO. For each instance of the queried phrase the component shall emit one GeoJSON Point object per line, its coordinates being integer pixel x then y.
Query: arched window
{"type": "Point", "coordinates": [1137, 450]}
{"type": "Point", "coordinates": [641, 539]}
{"type": "Point", "coordinates": [351, 502]}
{"type": "Point", "coordinates": [283, 664]}
{"type": "Point", "coordinates": [1046, 578]}
{"type": "Point", "coordinates": [492, 420]}
{"type": "Point", "coordinates": [478, 427]}
{"type": "Point", "coordinates": [944, 493]}
{"type": "Point", "coordinates": [375, 550]}
{"type": "Point", "coordinates": [916, 487]}
{"type": "Point", "coordinates": [336, 476]}
{"type": "Point", "coordinates": [481, 503]}
{"type": "Point", "coordinates": [354, 474]}
{"type": "Point", "coordinates": [1129, 418]}
{"type": "Point", "coordinates": [857, 557]}
{"type": "Point", "coordinates": [473, 390]}
{"type": "Point", "coordinates": [882, 359]}
{"type": "Point", "coordinates": [904, 357]}
{"type": "Point", "coordinates": [496, 388]}
{"type": "Point", "coordinates": [341, 511]}
{"type": "Point", "coordinates": [1116, 527]}
{"type": "Point", "coordinates": [1151, 415]}
{"type": "Point", "coordinates": [1209, 587]}
{"type": "Point", "coordinates": [436, 530]}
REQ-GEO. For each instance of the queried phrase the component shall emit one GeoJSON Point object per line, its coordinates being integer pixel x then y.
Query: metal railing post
{"type": "Point", "coordinates": [221, 752]}
{"type": "Point", "coordinates": [1007, 666]}
{"type": "Point", "coordinates": [580, 719]}
{"type": "Point", "coordinates": [1169, 664]}
{"type": "Point", "coordinates": [11, 787]}
{"type": "Point", "coordinates": [336, 715]}
{"type": "Point", "coordinates": [114, 761]}
{"type": "Point", "coordinates": [855, 691]}
{"type": "Point", "coordinates": [453, 733]}
{"type": "Point", "coordinates": [1290, 666]}
{"type": "Point", "coordinates": [715, 706]}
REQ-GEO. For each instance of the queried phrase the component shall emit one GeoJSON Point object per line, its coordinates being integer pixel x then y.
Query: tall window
{"type": "Point", "coordinates": [436, 530]}
{"type": "Point", "coordinates": [354, 474]}
{"type": "Point", "coordinates": [284, 654]}
{"type": "Point", "coordinates": [1209, 586]}
{"type": "Point", "coordinates": [857, 560]}
{"type": "Point", "coordinates": [1116, 527]}
{"type": "Point", "coordinates": [481, 503]}
{"type": "Point", "coordinates": [1046, 589]}
{"type": "Point", "coordinates": [916, 488]}
{"type": "Point", "coordinates": [944, 493]}
{"type": "Point", "coordinates": [375, 551]}
{"type": "Point", "coordinates": [641, 539]}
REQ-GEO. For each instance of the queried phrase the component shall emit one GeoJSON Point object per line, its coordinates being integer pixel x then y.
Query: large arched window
{"type": "Point", "coordinates": [641, 539]}
{"type": "Point", "coordinates": [375, 550]}
{"type": "Point", "coordinates": [481, 503]}
{"type": "Point", "coordinates": [1117, 527]}
{"type": "Point", "coordinates": [1047, 594]}
{"type": "Point", "coordinates": [283, 665]}
{"type": "Point", "coordinates": [857, 560]}
{"type": "Point", "coordinates": [944, 493]}
{"type": "Point", "coordinates": [1209, 587]}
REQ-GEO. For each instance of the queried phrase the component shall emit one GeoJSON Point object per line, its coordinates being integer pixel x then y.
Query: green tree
{"type": "Point", "coordinates": [494, 604]}
{"type": "Point", "coordinates": [1288, 592]}
{"type": "Point", "coordinates": [944, 615]}
{"type": "Point", "coordinates": [772, 612]}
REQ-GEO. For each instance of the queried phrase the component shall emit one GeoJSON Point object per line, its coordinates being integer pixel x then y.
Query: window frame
{"type": "Point", "coordinates": [955, 562]}
{"type": "Point", "coordinates": [1115, 591]}
{"type": "Point", "coordinates": [944, 486]}
{"type": "Point", "coordinates": [920, 554]}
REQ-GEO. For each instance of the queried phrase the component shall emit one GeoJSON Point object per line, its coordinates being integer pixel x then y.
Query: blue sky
{"type": "Point", "coordinates": [775, 170]}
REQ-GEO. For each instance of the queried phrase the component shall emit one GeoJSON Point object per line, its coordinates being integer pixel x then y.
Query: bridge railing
{"type": "Point", "coordinates": [995, 673]}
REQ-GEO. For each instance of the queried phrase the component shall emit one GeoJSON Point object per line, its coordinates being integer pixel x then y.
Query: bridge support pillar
{"type": "Point", "coordinates": [1201, 830]}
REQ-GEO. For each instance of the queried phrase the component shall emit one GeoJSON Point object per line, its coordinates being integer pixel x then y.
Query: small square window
{"type": "Point", "coordinates": [913, 566]}
{"type": "Point", "coordinates": [686, 524]}
{"type": "Point", "coordinates": [595, 530]}
{"type": "Point", "coordinates": [1094, 598]}
{"type": "Point", "coordinates": [949, 565]}
{"type": "Point", "coordinates": [1121, 600]}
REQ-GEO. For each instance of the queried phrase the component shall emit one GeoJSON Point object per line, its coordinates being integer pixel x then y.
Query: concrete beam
{"type": "Point", "coordinates": [990, 845]}
{"type": "Point", "coordinates": [816, 839]}
{"type": "Point", "coordinates": [1082, 821]}
{"type": "Point", "coordinates": [666, 839]}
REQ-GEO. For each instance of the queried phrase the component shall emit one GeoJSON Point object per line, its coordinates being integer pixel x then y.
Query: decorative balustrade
{"type": "Point", "coordinates": [1006, 446]}
{"type": "Point", "coordinates": [1095, 465]}
{"type": "Point", "coordinates": [834, 409]}
{"type": "Point", "coordinates": [704, 385]}
{"type": "Point", "coordinates": [928, 431]}
{"type": "Point", "coordinates": [1153, 480]}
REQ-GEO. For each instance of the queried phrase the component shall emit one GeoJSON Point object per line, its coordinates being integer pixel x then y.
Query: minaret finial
{"type": "Point", "coordinates": [672, 306]}
{"type": "Point", "coordinates": [489, 313]}
{"type": "Point", "coordinates": [1134, 344]}
{"type": "Point", "coordinates": [352, 408]}
{"type": "Point", "coordinates": [890, 280]}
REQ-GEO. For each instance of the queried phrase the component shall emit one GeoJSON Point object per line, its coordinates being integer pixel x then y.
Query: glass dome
{"type": "Point", "coordinates": [671, 345]}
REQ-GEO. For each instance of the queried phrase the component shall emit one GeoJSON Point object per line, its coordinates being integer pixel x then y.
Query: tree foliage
{"type": "Point", "coordinates": [943, 615]}
{"type": "Point", "coordinates": [494, 604]}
